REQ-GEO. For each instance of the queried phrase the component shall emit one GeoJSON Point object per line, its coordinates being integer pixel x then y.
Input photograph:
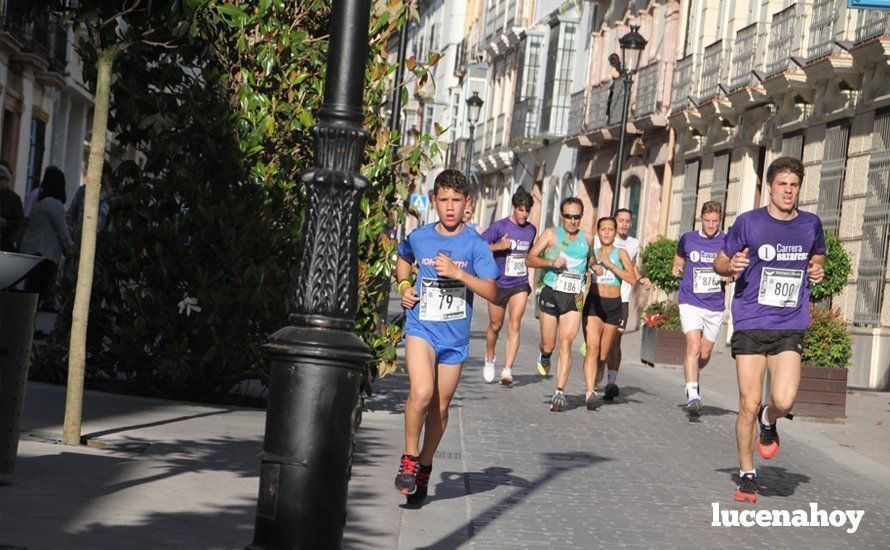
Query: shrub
{"type": "Point", "coordinates": [837, 269]}
{"type": "Point", "coordinates": [658, 261]}
{"type": "Point", "coordinates": [827, 343]}
{"type": "Point", "coordinates": [663, 315]}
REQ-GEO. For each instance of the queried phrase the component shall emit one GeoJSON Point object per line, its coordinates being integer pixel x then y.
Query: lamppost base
{"type": "Point", "coordinates": [315, 378]}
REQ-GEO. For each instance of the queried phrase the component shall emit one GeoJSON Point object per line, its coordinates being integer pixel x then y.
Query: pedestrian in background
{"type": "Point", "coordinates": [47, 234]}
{"type": "Point", "coordinates": [11, 213]}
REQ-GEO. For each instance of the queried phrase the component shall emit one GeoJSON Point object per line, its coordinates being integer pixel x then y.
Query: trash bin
{"type": "Point", "coordinates": [17, 313]}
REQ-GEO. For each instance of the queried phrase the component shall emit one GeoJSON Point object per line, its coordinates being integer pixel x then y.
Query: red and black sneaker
{"type": "Point", "coordinates": [423, 484]}
{"type": "Point", "coordinates": [406, 479]}
{"type": "Point", "coordinates": [747, 489]}
{"type": "Point", "coordinates": [768, 442]}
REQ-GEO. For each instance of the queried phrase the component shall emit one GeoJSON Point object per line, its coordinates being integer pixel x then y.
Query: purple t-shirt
{"type": "Point", "coordinates": [700, 286]}
{"type": "Point", "coordinates": [511, 263]}
{"type": "Point", "coordinates": [773, 292]}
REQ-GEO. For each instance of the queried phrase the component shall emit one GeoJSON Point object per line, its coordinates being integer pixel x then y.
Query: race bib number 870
{"type": "Point", "coordinates": [779, 287]}
{"type": "Point", "coordinates": [442, 300]}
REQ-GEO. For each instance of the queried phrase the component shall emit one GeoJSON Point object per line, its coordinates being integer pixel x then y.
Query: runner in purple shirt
{"type": "Point", "coordinates": [702, 297]}
{"type": "Point", "coordinates": [510, 240]}
{"type": "Point", "coordinates": [774, 253]}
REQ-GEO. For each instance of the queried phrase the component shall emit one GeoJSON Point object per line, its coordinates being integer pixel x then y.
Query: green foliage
{"type": "Point", "coordinates": [213, 112]}
{"type": "Point", "coordinates": [826, 343]}
{"type": "Point", "coordinates": [664, 315]}
{"type": "Point", "coordinates": [837, 269]}
{"type": "Point", "coordinates": [658, 260]}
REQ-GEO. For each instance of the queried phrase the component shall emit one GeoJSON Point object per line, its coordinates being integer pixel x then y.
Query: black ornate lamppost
{"type": "Point", "coordinates": [632, 45]}
{"type": "Point", "coordinates": [317, 361]}
{"type": "Point", "coordinates": [474, 109]}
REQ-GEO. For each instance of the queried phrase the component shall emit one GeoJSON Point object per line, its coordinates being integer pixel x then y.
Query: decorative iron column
{"type": "Point", "coordinates": [317, 361]}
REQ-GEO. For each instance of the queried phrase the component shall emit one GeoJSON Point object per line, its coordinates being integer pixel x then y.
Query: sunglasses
{"type": "Point", "coordinates": [572, 216]}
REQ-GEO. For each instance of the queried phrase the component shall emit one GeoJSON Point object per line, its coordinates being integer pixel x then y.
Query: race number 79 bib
{"type": "Point", "coordinates": [515, 266]}
{"type": "Point", "coordinates": [442, 300]}
{"type": "Point", "coordinates": [568, 282]}
{"type": "Point", "coordinates": [705, 281]}
{"type": "Point", "coordinates": [779, 287]}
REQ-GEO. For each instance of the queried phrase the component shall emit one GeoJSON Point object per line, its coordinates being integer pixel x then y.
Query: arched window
{"type": "Point", "coordinates": [633, 204]}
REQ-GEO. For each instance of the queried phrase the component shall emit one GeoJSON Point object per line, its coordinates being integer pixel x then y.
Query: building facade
{"type": "Point", "coordinates": [756, 80]}
{"type": "Point", "coordinates": [46, 106]}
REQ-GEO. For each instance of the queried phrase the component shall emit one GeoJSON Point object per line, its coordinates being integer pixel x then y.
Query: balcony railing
{"type": "Point", "coordinates": [45, 36]}
{"type": "Point", "coordinates": [598, 108]}
{"type": "Point", "coordinates": [781, 40]}
{"type": "Point", "coordinates": [684, 82]}
{"type": "Point", "coordinates": [499, 132]}
{"type": "Point", "coordinates": [576, 113]}
{"type": "Point", "coordinates": [871, 24]}
{"type": "Point", "coordinates": [822, 28]}
{"type": "Point", "coordinates": [712, 65]}
{"type": "Point", "coordinates": [526, 119]}
{"type": "Point", "coordinates": [744, 57]}
{"type": "Point", "coordinates": [616, 101]}
{"type": "Point", "coordinates": [647, 89]}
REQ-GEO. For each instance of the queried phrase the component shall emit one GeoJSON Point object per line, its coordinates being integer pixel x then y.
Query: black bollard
{"type": "Point", "coordinates": [317, 361]}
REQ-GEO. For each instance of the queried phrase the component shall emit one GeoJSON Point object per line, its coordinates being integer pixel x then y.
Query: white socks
{"type": "Point", "coordinates": [611, 376]}
{"type": "Point", "coordinates": [752, 472]}
{"type": "Point", "coordinates": [763, 418]}
{"type": "Point", "coordinates": [692, 391]}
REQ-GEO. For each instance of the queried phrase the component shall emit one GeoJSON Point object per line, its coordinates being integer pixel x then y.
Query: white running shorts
{"type": "Point", "coordinates": [696, 318]}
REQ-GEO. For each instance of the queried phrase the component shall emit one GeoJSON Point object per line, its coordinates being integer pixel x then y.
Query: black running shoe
{"type": "Point", "coordinates": [406, 479]}
{"type": "Point", "coordinates": [611, 392]}
{"type": "Point", "coordinates": [768, 442]}
{"type": "Point", "coordinates": [423, 483]}
{"type": "Point", "coordinates": [747, 489]}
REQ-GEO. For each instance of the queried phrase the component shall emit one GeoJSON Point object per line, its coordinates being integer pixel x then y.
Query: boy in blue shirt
{"type": "Point", "coordinates": [453, 262]}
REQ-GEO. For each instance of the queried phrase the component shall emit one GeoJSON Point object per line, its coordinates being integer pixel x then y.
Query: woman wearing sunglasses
{"type": "Point", "coordinates": [602, 310]}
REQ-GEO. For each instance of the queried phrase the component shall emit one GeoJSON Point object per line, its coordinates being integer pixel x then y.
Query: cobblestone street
{"type": "Point", "coordinates": [636, 473]}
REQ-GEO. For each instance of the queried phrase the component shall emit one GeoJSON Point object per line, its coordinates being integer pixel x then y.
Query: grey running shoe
{"type": "Point", "coordinates": [593, 401]}
{"type": "Point", "coordinates": [558, 401]}
{"type": "Point", "coordinates": [693, 407]}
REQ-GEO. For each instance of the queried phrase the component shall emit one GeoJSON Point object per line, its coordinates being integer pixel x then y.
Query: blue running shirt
{"type": "Point", "coordinates": [446, 306]}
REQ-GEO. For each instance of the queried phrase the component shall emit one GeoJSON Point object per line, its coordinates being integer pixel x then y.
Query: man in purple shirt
{"type": "Point", "coordinates": [509, 240]}
{"type": "Point", "coordinates": [702, 298]}
{"type": "Point", "coordinates": [774, 253]}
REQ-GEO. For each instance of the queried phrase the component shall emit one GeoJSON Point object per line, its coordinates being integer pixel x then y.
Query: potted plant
{"type": "Point", "coordinates": [828, 347]}
{"type": "Point", "coordinates": [663, 342]}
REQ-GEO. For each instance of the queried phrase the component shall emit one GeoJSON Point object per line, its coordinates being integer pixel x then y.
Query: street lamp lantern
{"type": "Point", "coordinates": [632, 45]}
{"type": "Point", "coordinates": [474, 108]}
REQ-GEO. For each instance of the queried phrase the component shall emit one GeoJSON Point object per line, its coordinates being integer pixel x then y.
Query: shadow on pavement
{"type": "Point", "coordinates": [773, 481]}
{"type": "Point", "coordinates": [706, 410]}
{"type": "Point", "coordinates": [557, 464]}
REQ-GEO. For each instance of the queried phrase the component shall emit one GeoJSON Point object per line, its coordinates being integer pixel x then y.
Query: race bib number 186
{"type": "Point", "coordinates": [570, 283]}
{"type": "Point", "coordinates": [442, 300]}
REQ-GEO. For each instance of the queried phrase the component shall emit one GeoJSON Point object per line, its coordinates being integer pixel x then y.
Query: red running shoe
{"type": "Point", "coordinates": [747, 489]}
{"type": "Point", "coordinates": [406, 479]}
{"type": "Point", "coordinates": [768, 442]}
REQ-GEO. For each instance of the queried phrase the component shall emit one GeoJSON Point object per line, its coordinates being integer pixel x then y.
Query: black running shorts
{"type": "Point", "coordinates": [625, 313]}
{"type": "Point", "coordinates": [556, 303]}
{"type": "Point", "coordinates": [607, 309]}
{"type": "Point", "coordinates": [504, 294]}
{"type": "Point", "coordinates": [766, 342]}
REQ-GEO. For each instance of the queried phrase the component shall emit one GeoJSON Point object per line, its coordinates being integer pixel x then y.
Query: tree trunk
{"type": "Point", "coordinates": [81, 311]}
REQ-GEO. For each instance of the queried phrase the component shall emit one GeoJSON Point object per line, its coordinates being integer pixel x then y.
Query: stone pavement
{"type": "Point", "coordinates": [509, 474]}
{"type": "Point", "coordinates": [637, 473]}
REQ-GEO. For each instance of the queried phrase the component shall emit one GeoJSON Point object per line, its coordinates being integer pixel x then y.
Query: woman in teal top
{"type": "Point", "coordinates": [602, 309]}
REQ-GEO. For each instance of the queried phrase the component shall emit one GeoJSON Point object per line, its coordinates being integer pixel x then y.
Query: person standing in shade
{"type": "Point", "coordinates": [702, 298]}
{"type": "Point", "coordinates": [774, 253]}
{"type": "Point", "coordinates": [11, 212]}
{"type": "Point", "coordinates": [47, 234]}
{"type": "Point", "coordinates": [562, 253]}
{"type": "Point", "coordinates": [509, 240]}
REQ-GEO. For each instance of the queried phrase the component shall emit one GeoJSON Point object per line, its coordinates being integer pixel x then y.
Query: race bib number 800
{"type": "Point", "coordinates": [442, 300]}
{"type": "Point", "coordinates": [515, 266]}
{"type": "Point", "coordinates": [780, 287]}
